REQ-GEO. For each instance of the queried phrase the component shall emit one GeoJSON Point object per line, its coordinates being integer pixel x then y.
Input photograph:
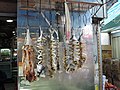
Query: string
{"type": "Point", "coordinates": [27, 14]}
{"type": "Point", "coordinates": [72, 17]}
{"type": "Point", "coordinates": [79, 17]}
{"type": "Point", "coordinates": [39, 16]}
{"type": "Point", "coordinates": [50, 16]}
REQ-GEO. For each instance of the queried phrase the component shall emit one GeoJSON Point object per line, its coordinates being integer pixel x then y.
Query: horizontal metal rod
{"type": "Point", "coordinates": [8, 14]}
{"type": "Point", "coordinates": [55, 9]}
{"type": "Point", "coordinates": [69, 1]}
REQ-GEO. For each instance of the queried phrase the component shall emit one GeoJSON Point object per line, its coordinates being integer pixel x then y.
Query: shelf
{"type": "Point", "coordinates": [58, 5]}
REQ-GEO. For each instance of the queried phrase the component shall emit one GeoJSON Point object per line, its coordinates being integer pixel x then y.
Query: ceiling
{"type": "Point", "coordinates": [8, 10]}
{"type": "Point", "coordinates": [9, 1]}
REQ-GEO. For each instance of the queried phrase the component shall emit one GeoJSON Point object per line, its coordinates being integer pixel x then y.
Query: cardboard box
{"type": "Point", "coordinates": [116, 65]}
{"type": "Point", "coordinates": [106, 52]}
{"type": "Point", "coordinates": [116, 69]}
{"type": "Point", "coordinates": [107, 67]}
{"type": "Point", "coordinates": [106, 47]}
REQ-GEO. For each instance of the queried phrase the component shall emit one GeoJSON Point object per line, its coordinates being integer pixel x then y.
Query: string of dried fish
{"type": "Point", "coordinates": [41, 53]}
{"type": "Point", "coordinates": [54, 52]}
{"type": "Point", "coordinates": [28, 59]}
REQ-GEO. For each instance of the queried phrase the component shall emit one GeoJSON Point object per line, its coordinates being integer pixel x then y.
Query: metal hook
{"type": "Point", "coordinates": [81, 33]}
{"type": "Point", "coordinates": [84, 19]}
{"type": "Point", "coordinates": [50, 12]}
{"type": "Point", "coordinates": [72, 15]}
{"type": "Point", "coordinates": [79, 19]}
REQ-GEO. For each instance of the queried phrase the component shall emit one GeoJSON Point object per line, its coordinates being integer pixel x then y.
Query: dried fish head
{"type": "Point", "coordinates": [28, 40]}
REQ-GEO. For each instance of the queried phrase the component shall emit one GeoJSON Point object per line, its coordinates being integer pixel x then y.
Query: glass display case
{"type": "Point", "coordinates": [56, 45]}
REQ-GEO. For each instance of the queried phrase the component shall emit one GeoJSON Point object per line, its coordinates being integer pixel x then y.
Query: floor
{"type": "Point", "coordinates": [10, 86]}
{"type": "Point", "coordinates": [117, 83]}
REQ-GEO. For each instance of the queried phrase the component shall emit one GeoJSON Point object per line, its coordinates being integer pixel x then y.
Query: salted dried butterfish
{"type": "Point", "coordinates": [54, 60]}
{"type": "Point", "coordinates": [40, 55]}
{"type": "Point", "coordinates": [28, 59]}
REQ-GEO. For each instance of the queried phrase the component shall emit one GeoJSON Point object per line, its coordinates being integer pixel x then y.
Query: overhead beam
{"type": "Point", "coordinates": [7, 7]}
{"type": "Point", "coordinates": [8, 14]}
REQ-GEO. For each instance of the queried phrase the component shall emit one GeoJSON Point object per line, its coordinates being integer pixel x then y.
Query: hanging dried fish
{"type": "Point", "coordinates": [28, 59]}
{"type": "Point", "coordinates": [77, 54]}
{"type": "Point", "coordinates": [71, 61]}
{"type": "Point", "coordinates": [53, 65]}
{"type": "Point", "coordinates": [65, 59]}
{"type": "Point", "coordinates": [57, 51]}
{"type": "Point", "coordinates": [67, 37]}
{"type": "Point", "coordinates": [54, 51]}
{"type": "Point", "coordinates": [41, 63]}
{"type": "Point", "coordinates": [40, 47]}
{"type": "Point", "coordinates": [82, 57]}
{"type": "Point", "coordinates": [74, 58]}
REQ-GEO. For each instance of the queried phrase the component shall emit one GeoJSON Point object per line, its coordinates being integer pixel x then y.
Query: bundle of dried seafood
{"type": "Point", "coordinates": [28, 59]}
{"type": "Point", "coordinates": [54, 46]}
{"type": "Point", "coordinates": [72, 54]}
{"type": "Point", "coordinates": [41, 54]}
{"type": "Point", "coordinates": [73, 58]}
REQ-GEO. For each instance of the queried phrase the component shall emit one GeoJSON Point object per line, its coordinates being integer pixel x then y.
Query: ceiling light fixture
{"type": "Point", "coordinates": [9, 20]}
{"type": "Point", "coordinates": [13, 32]}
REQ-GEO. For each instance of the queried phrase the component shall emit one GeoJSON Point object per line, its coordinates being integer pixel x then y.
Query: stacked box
{"type": "Point", "coordinates": [106, 59]}
{"type": "Point", "coordinates": [107, 67]}
{"type": "Point", "coordinates": [115, 65]}
{"type": "Point", "coordinates": [116, 69]}
{"type": "Point", "coordinates": [106, 52]}
{"type": "Point", "coordinates": [111, 69]}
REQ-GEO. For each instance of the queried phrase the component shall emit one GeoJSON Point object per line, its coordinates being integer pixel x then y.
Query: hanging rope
{"type": "Point", "coordinates": [50, 13]}
{"type": "Point", "coordinates": [81, 31]}
{"type": "Point", "coordinates": [79, 17]}
{"type": "Point", "coordinates": [27, 15]}
{"type": "Point", "coordinates": [39, 10]}
{"type": "Point", "coordinates": [72, 16]}
{"type": "Point", "coordinates": [84, 19]}
{"type": "Point", "coordinates": [46, 19]}
{"type": "Point", "coordinates": [52, 29]}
